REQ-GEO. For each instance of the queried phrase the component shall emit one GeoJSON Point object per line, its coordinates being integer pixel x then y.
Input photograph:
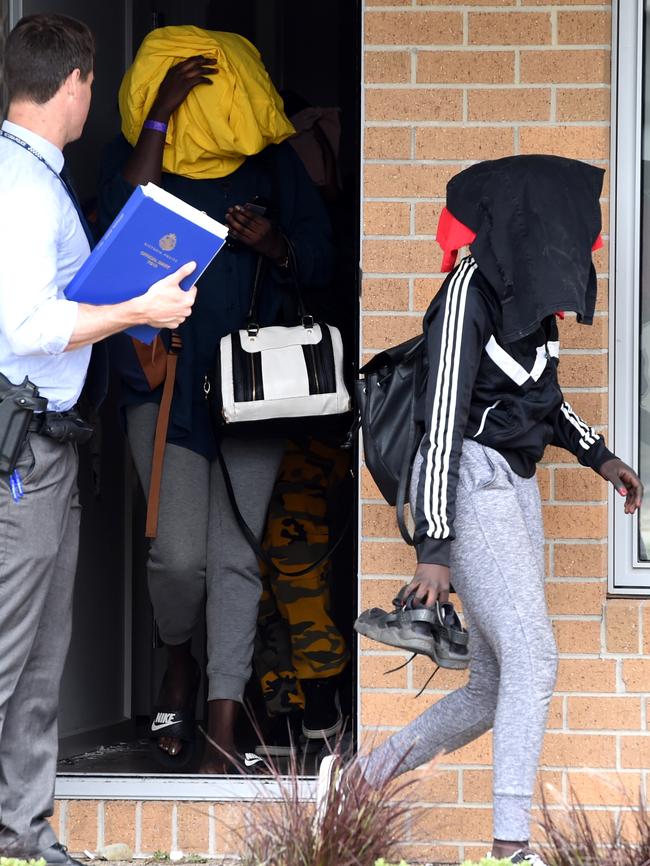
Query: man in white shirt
{"type": "Point", "coordinates": [48, 67]}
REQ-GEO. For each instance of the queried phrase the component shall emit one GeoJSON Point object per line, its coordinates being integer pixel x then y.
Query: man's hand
{"type": "Point", "coordinates": [165, 304]}
{"type": "Point", "coordinates": [430, 584]}
{"type": "Point", "coordinates": [179, 81]}
{"type": "Point", "coordinates": [625, 481]}
{"type": "Point", "coordinates": [256, 232]}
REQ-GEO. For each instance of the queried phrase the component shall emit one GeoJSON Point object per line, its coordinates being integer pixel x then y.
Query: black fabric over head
{"type": "Point", "coordinates": [536, 219]}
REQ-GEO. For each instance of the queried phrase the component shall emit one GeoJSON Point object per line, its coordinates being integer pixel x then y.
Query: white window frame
{"type": "Point", "coordinates": [628, 575]}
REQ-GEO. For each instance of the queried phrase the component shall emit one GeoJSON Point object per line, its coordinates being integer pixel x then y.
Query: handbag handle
{"type": "Point", "coordinates": [252, 317]}
{"type": "Point", "coordinates": [254, 544]}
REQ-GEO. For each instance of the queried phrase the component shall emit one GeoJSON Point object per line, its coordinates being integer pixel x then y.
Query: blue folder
{"type": "Point", "coordinates": [153, 235]}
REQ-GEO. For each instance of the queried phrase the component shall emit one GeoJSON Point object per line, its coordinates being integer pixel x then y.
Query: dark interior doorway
{"type": "Point", "coordinates": [311, 51]}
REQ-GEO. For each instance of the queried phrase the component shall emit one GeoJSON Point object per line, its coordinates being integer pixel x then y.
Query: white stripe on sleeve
{"type": "Point", "coordinates": [443, 409]}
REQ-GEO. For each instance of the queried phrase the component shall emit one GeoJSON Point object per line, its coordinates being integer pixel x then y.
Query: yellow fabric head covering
{"type": "Point", "coordinates": [218, 126]}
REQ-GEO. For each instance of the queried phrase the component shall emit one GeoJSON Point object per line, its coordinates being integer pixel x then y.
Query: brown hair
{"type": "Point", "coordinates": [40, 53]}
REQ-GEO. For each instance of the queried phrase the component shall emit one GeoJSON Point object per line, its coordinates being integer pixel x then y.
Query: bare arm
{"type": "Point", "coordinates": [164, 305]}
{"type": "Point", "coordinates": [145, 163]}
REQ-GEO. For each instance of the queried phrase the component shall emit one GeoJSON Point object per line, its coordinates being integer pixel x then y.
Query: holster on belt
{"type": "Point", "coordinates": [17, 406]}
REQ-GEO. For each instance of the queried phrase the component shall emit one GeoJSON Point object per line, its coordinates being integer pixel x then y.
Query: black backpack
{"type": "Point", "coordinates": [387, 393]}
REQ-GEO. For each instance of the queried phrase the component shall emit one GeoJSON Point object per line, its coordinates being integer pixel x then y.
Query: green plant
{"type": "Point", "coordinates": [160, 855]}
{"type": "Point", "coordinates": [577, 837]}
{"type": "Point", "coordinates": [16, 861]}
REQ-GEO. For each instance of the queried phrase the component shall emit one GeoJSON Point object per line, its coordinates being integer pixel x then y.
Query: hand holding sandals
{"type": "Point", "coordinates": [430, 584]}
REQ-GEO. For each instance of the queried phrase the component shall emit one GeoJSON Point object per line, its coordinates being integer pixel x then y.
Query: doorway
{"type": "Point", "coordinates": [115, 662]}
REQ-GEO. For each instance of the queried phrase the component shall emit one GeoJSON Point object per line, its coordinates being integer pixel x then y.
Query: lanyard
{"type": "Point", "coordinates": [66, 186]}
{"type": "Point", "coordinates": [33, 151]}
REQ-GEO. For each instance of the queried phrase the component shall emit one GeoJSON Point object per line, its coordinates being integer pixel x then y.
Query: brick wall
{"type": "Point", "coordinates": [446, 85]}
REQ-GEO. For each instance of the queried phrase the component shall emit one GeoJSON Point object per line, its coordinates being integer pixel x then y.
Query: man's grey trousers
{"type": "Point", "coordinates": [39, 536]}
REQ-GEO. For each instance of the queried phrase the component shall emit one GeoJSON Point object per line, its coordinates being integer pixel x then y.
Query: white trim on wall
{"type": "Point", "coordinates": [627, 574]}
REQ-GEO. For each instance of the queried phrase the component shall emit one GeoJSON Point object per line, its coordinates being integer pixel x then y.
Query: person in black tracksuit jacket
{"type": "Point", "coordinates": [491, 406]}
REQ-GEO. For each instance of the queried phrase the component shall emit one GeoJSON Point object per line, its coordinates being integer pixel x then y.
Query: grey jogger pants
{"type": "Point", "coordinates": [497, 569]}
{"type": "Point", "coordinates": [39, 537]}
{"type": "Point", "coordinates": [200, 563]}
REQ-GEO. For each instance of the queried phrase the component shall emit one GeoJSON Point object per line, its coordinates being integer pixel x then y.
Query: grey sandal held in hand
{"type": "Point", "coordinates": [435, 632]}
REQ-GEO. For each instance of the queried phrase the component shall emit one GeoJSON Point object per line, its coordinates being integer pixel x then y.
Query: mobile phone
{"type": "Point", "coordinates": [257, 206]}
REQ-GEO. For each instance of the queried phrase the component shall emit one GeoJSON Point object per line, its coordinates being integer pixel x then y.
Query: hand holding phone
{"type": "Point", "coordinates": [249, 225]}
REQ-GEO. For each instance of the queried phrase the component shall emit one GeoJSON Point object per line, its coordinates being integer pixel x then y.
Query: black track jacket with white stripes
{"type": "Point", "coordinates": [504, 396]}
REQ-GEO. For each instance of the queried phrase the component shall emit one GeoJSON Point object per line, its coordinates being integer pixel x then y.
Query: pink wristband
{"type": "Point", "coordinates": [155, 125]}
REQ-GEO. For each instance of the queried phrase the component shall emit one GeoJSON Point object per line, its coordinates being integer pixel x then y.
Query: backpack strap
{"type": "Point", "coordinates": [160, 438]}
{"type": "Point", "coordinates": [404, 479]}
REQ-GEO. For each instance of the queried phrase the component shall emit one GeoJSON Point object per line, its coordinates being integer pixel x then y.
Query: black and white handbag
{"type": "Point", "coordinates": [278, 375]}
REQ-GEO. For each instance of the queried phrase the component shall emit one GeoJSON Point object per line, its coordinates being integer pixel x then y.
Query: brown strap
{"type": "Point", "coordinates": [160, 439]}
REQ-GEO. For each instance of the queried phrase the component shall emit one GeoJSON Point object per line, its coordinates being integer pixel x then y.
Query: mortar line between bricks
{"type": "Point", "coordinates": [138, 827]}
{"type": "Point", "coordinates": [101, 840]}
{"type": "Point", "coordinates": [428, 48]}
{"type": "Point", "coordinates": [565, 7]}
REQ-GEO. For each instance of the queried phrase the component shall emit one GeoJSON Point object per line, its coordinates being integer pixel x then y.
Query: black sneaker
{"type": "Point", "coordinates": [57, 855]}
{"type": "Point", "coordinates": [282, 738]}
{"type": "Point", "coordinates": [322, 718]}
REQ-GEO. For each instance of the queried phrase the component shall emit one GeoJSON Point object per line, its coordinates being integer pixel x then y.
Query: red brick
{"type": "Point", "coordinates": [580, 560]}
{"type": "Point", "coordinates": [623, 628]}
{"type": "Point", "coordinates": [509, 28]}
{"type": "Point", "coordinates": [583, 371]}
{"type": "Point", "coordinates": [386, 218]}
{"type": "Point", "coordinates": [413, 28]}
{"type": "Point", "coordinates": [578, 750]}
{"type": "Point", "coordinates": [385, 294]}
{"type": "Point", "coordinates": [82, 825]}
{"type": "Point", "coordinates": [576, 636]}
{"type": "Point", "coordinates": [565, 67]}
{"type": "Point", "coordinates": [424, 290]}
{"type": "Point", "coordinates": [387, 67]}
{"type": "Point", "coordinates": [574, 598]}
{"type": "Point", "coordinates": [604, 713]}
{"type": "Point", "coordinates": [583, 104]}
{"type": "Point", "coordinates": [579, 485]}
{"type": "Point", "coordinates": [483, 142]}
{"type": "Point", "coordinates": [413, 104]}
{"type": "Point", "coordinates": [573, 142]}
{"type": "Point", "coordinates": [575, 521]}
{"type": "Point", "coordinates": [636, 675]}
{"type": "Point", "coordinates": [119, 822]}
{"type": "Point", "coordinates": [386, 142]}
{"type": "Point", "coordinates": [512, 103]}
{"type": "Point", "coordinates": [387, 557]}
{"type": "Point", "coordinates": [586, 675]}
{"type": "Point", "coordinates": [405, 181]}
{"type": "Point", "coordinates": [193, 827]}
{"type": "Point", "coordinates": [156, 826]}
{"type": "Point", "coordinates": [399, 256]}
{"type": "Point", "coordinates": [380, 332]}
{"type": "Point", "coordinates": [465, 67]}
{"type": "Point", "coordinates": [584, 28]}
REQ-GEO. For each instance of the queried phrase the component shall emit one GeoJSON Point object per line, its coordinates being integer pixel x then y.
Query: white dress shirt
{"type": "Point", "coordinates": [42, 246]}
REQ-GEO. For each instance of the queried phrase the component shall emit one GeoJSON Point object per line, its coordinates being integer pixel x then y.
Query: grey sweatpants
{"type": "Point", "coordinates": [39, 539]}
{"type": "Point", "coordinates": [497, 569]}
{"type": "Point", "coordinates": [200, 563]}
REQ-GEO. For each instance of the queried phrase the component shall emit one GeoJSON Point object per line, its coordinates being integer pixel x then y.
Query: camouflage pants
{"type": "Point", "coordinates": [297, 638]}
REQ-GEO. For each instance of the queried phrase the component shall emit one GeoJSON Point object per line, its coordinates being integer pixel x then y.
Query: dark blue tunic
{"type": "Point", "coordinates": [224, 291]}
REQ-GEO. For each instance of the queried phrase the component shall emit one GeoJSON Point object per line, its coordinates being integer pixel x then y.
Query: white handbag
{"type": "Point", "coordinates": [278, 373]}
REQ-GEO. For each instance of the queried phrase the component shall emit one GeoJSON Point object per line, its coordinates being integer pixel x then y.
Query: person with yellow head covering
{"type": "Point", "coordinates": [202, 119]}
